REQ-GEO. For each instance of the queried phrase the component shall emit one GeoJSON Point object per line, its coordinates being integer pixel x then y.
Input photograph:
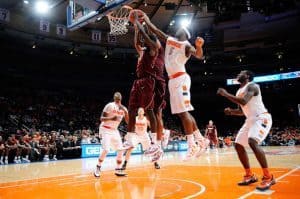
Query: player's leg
{"type": "Point", "coordinates": [160, 126]}
{"type": "Point", "coordinates": [116, 144]}
{"type": "Point", "coordinates": [131, 140]}
{"type": "Point", "coordinates": [188, 129]}
{"type": "Point", "coordinates": [257, 133]}
{"type": "Point", "coordinates": [198, 136]}
{"type": "Point", "coordinates": [240, 143]}
{"type": "Point", "coordinates": [106, 142]}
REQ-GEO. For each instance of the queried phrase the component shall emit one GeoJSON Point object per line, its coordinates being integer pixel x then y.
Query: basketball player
{"type": "Point", "coordinates": [141, 124]}
{"type": "Point", "coordinates": [211, 134]}
{"type": "Point", "coordinates": [111, 117]}
{"type": "Point", "coordinates": [178, 50]}
{"type": "Point", "coordinates": [143, 90]}
{"type": "Point", "coordinates": [255, 129]}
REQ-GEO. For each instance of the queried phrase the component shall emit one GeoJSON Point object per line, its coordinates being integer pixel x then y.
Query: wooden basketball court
{"type": "Point", "coordinates": [213, 175]}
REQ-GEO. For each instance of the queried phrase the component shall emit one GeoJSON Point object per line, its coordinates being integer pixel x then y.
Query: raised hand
{"type": "Point", "coordinates": [199, 42]}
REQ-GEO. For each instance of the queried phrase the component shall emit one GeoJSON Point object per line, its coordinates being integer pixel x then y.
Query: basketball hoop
{"type": "Point", "coordinates": [118, 20]}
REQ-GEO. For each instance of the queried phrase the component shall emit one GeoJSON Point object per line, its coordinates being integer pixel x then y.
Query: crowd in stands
{"type": "Point", "coordinates": [48, 127]}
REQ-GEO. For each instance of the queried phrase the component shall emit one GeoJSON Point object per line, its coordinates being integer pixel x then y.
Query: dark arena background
{"type": "Point", "coordinates": [57, 74]}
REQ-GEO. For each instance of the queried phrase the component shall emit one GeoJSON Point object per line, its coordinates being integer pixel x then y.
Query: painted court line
{"type": "Point", "coordinates": [277, 180]}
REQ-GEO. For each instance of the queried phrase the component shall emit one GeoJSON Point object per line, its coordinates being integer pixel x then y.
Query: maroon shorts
{"type": "Point", "coordinates": [142, 94]}
{"type": "Point", "coordinates": [160, 92]}
{"type": "Point", "coordinates": [213, 138]}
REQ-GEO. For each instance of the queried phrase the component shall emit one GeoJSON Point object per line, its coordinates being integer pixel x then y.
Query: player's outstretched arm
{"type": "Point", "coordinates": [137, 44]}
{"type": "Point", "coordinates": [152, 44]}
{"type": "Point", "coordinates": [160, 34]}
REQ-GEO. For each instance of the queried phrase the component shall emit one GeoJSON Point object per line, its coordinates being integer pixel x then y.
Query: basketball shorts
{"type": "Point", "coordinates": [111, 139]}
{"type": "Point", "coordinates": [257, 128]}
{"type": "Point", "coordinates": [212, 138]}
{"type": "Point", "coordinates": [134, 139]}
{"type": "Point", "coordinates": [180, 97]}
{"type": "Point", "coordinates": [142, 94]}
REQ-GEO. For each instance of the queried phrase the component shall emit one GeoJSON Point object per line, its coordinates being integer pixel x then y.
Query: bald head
{"type": "Point", "coordinates": [117, 97]}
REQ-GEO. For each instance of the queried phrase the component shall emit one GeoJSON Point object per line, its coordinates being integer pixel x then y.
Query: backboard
{"type": "Point", "coordinates": [82, 12]}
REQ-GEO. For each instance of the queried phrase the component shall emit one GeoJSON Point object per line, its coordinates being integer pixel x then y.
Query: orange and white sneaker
{"type": "Point", "coordinates": [266, 183]}
{"type": "Point", "coordinates": [192, 152]}
{"type": "Point", "coordinates": [248, 180]}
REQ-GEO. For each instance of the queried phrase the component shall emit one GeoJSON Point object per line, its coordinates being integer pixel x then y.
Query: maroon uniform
{"type": "Point", "coordinates": [211, 134]}
{"type": "Point", "coordinates": [160, 83]}
{"type": "Point", "coordinates": [142, 92]}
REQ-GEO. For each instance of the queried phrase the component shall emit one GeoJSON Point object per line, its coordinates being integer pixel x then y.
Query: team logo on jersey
{"type": "Point", "coordinates": [184, 88]}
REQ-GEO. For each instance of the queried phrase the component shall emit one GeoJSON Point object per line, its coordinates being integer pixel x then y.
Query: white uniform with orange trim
{"type": "Point", "coordinates": [141, 135]}
{"type": "Point", "coordinates": [179, 80]}
{"type": "Point", "coordinates": [258, 121]}
{"type": "Point", "coordinates": [108, 130]}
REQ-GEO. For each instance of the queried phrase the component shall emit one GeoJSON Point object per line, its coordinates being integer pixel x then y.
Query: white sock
{"type": "Point", "coordinates": [198, 135]}
{"type": "Point", "coordinates": [153, 138]}
{"type": "Point", "coordinates": [190, 140]}
{"type": "Point", "coordinates": [27, 156]}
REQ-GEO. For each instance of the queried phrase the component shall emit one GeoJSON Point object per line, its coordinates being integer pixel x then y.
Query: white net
{"type": "Point", "coordinates": [118, 20]}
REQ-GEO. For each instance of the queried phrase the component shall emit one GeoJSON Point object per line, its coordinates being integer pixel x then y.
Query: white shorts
{"type": "Point", "coordinates": [134, 139]}
{"type": "Point", "coordinates": [180, 96]}
{"type": "Point", "coordinates": [111, 139]}
{"type": "Point", "coordinates": [257, 128]}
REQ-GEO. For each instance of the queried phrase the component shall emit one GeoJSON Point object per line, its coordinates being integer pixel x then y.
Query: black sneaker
{"type": "Point", "coordinates": [97, 171]}
{"type": "Point", "coordinates": [156, 165]}
{"type": "Point", "coordinates": [120, 172]}
{"type": "Point", "coordinates": [248, 180]}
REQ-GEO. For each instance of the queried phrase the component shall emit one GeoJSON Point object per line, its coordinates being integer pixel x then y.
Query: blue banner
{"type": "Point", "coordinates": [269, 78]}
{"type": "Point", "coordinates": [94, 150]}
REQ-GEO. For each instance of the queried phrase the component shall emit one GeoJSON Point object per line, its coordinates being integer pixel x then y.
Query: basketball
{"type": "Point", "coordinates": [136, 13]}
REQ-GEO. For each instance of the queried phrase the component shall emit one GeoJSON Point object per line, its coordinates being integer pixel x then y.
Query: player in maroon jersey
{"type": "Point", "coordinates": [143, 90]}
{"type": "Point", "coordinates": [211, 134]}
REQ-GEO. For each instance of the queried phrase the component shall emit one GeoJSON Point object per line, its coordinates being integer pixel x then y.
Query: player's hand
{"type": "Point", "coordinates": [227, 111]}
{"type": "Point", "coordinates": [222, 92]}
{"type": "Point", "coordinates": [146, 18]}
{"type": "Point", "coordinates": [199, 42]}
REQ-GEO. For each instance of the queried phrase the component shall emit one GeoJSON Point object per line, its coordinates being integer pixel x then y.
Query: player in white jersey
{"type": "Point", "coordinates": [140, 136]}
{"type": "Point", "coordinates": [255, 129]}
{"type": "Point", "coordinates": [177, 52]}
{"type": "Point", "coordinates": [111, 117]}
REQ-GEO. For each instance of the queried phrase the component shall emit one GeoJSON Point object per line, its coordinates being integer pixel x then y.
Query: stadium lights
{"type": "Point", "coordinates": [26, 2]}
{"type": "Point", "coordinates": [42, 7]}
{"type": "Point", "coordinates": [184, 23]}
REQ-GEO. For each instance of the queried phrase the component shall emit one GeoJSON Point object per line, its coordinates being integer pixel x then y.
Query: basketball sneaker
{"type": "Point", "coordinates": [157, 155]}
{"type": "Point", "coordinates": [248, 180]}
{"type": "Point", "coordinates": [266, 183]}
{"type": "Point", "coordinates": [192, 152]}
{"type": "Point", "coordinates": [152, 150]}
{"type": "Point", "coordinates": [97, 171]}
{"type": "Point", "coordinates": [120, 172]}
{"type": "Point", "coordinates": [156, 165]}
{"type": "Point", "coordinates": [1, 162]}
